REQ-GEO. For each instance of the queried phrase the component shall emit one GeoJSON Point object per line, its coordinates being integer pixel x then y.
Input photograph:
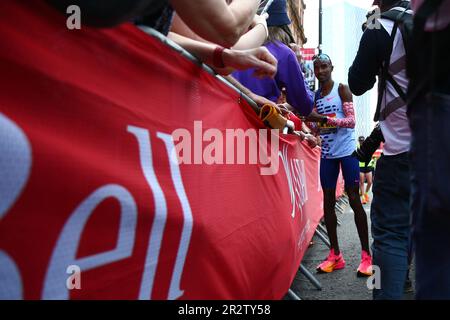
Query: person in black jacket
{"type": "Point", "coordinates": [429, 115]}
{"type": "Point", "coordinates": [390, 214]}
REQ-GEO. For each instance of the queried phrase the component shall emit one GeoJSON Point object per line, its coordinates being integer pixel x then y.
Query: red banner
{"type": "Point", "coordinates": [93, 205]}
{"type": "Point", "coordinates": [308, 53]}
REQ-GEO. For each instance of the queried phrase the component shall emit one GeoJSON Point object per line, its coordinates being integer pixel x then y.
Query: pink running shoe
{"type": "Point", "coordinates": [365, 267]}
{"type": "Point", "coordinates": [332, 262]}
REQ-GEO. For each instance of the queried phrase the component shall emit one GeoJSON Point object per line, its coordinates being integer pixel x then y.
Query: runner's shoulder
{"type": "Point", "coordinates": [345, 93]}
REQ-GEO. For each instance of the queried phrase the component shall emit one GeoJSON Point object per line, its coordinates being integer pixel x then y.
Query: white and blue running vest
{"type": "Point", "coordinates": [336, 142]}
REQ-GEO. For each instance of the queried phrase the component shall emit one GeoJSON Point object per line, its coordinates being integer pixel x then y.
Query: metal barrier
{"type": "Point", "coordinates": [186, 54]}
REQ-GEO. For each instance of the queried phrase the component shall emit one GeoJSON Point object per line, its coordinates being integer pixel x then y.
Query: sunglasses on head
{"type": "Point", "coordinates": [321, 56]}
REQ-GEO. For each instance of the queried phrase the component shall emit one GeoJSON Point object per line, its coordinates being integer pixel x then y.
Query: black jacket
{"type": "Point", "coordinates": [373, 48]}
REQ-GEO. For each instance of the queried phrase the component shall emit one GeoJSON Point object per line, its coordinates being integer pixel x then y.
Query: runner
{"type": "Point", "coordinates": [335, 119]}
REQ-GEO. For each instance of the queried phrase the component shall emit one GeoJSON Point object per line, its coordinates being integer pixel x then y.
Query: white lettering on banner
{"type": "Point", "coordinates": [67, 245]}
{"type": "Point", "coordinates": [15, 163]}
{"type": "Point", "coordinates": [296, 177]}
{"type": "Point", "coordinates": [159, 221]}
{"type": "Point", "coordinates": [174, 290]}
{"type": "Point", "coordinates": [156, 235]}
{"type": "Point", "coordinates": [284, 160]}
{"type": "Point", "coordinates": [15, 160]}
{"type": "Point", "coordinates": [10, 280]}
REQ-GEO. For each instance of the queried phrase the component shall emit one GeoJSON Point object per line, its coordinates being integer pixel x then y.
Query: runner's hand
{"type": "Point", "coordinates": [313, 117]}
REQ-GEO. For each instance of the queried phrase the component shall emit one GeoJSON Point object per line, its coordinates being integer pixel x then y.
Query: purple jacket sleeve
{"type": "Point", "coordinates": [290, 76]}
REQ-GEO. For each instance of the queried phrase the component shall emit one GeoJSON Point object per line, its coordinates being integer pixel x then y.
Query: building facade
{"type": "Point", "coordinates": [296, 10]}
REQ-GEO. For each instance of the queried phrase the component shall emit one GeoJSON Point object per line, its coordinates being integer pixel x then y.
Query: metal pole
{"type": "Point", "coordinates": [323, 238]}
{"type": "Point", "coordinates": [186, 54]}
{"type": "Point", "coordinates": [292, 295]}
{"type": "Point", "coordinates": [320, 26]}
{"type": "Point", "coordinates": [310, 277]}
{"type": "Point", "coordinates": [266, 6]}
{"type": "Point", "coordinates": [322, 229]}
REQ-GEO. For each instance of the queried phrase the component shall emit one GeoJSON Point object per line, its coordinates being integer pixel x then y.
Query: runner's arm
{"type": "Point", "coordinates": [347, 105]}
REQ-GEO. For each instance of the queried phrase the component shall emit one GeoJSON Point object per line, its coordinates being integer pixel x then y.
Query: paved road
{"type": "Point", "coordinates": [340, 284]}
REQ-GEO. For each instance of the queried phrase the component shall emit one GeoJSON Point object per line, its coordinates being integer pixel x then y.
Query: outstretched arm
{"type": "Point", "coordinates": [215, 20]}
{"type": "Point", "coordinates": [347, 105]}
{"type": "Point", "coordinates": [260, 58]}
{"type": "Point", "coordinates": [253, 38]}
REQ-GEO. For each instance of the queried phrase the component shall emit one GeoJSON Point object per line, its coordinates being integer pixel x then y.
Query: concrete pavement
{"type": "Point", "coordinates": [340, 284]}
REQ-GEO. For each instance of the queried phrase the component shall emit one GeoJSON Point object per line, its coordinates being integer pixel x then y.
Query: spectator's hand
{"type": "Point", "coordinates": [260, 100]}
{"type": "Point", "coordinates": [301, 134]}
{"type": "Point", "coordinates": [260, 59]}
{"type": "Point", "coordinates": [283, 109]}
{"type": "Point", "coordinates": [312, 141]}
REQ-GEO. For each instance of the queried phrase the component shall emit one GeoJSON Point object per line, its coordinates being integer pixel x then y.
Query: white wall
{"type": "Point", "coordinates": [341, 32]}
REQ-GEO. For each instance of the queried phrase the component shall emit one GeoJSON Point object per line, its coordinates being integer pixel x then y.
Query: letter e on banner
{"type": "Point", "coordinates": [67, 245]}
